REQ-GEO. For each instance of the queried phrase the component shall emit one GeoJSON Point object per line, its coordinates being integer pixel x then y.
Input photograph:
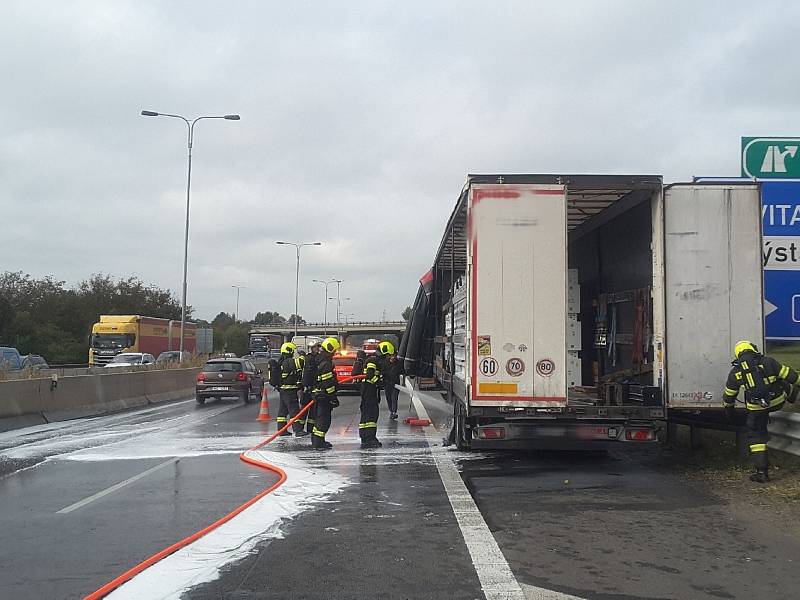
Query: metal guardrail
{"type": "Point", "coordinates": [784, 429]}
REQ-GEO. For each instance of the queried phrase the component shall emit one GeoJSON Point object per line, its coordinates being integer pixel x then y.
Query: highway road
{"type": "Point", "coordinates": [85, 500]}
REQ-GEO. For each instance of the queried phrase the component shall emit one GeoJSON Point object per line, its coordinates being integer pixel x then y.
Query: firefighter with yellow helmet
{"type": "Point", "coordinates": [767, 385]}
{"type": "Point", "coordinates": [324, 392]}
{"type": "Point", "coordinates": [291, 370]}
{"type": "Point", "coordinates": [392, 371]}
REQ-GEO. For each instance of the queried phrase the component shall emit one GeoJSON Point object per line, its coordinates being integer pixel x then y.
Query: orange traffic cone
{"type": "Point", "coordinates": [263, 411]}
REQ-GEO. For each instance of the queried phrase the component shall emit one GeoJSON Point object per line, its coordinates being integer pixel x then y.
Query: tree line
{"type": "Point", "coordinates": [45, 316]}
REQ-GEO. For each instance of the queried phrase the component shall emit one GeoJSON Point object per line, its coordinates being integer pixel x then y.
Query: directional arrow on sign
{"type": "Point", "coordinates": [769, 308]}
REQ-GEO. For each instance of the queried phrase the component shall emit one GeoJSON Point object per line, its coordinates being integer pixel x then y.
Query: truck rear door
{"type": "Point", "coordinates": [517, 317]}
{"type": "Point", "coordinates": [713, 286]}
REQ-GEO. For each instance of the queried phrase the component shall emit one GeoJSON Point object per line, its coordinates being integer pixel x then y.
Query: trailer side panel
{"type": "Point", "coordinates": [713, 286]}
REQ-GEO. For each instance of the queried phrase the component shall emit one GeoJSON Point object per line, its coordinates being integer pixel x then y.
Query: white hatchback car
{"type": "Point", "coordinates": [131, 359]}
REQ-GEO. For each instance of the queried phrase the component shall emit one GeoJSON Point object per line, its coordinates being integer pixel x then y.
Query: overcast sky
{"type": "Point", "coordinates": [359, 125]}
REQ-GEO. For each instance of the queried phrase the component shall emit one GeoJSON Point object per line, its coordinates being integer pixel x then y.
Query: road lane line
{"type": "Point", "coordinates": [497, 579]}
{"type": "Point", "coordinates": [115, 487]}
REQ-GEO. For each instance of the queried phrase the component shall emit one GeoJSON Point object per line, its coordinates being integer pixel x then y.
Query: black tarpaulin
{"type": "Point", "coordinates": [416, 347]}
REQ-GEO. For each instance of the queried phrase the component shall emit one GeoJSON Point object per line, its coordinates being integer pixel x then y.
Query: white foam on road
{"type": "Point", "coordinates": [118, 437]}
{"type": "Point", "coordinates": [201, 561]}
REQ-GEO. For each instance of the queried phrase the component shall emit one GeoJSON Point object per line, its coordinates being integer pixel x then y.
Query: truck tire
{"type": "Point", "coordinates": [460, 426]}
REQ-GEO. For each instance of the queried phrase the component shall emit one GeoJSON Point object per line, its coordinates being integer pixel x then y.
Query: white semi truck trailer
{"type": "Point", "coordinates": [579, 310]}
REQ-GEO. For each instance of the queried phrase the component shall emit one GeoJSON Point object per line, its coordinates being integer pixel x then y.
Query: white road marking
{"type": "Point", "coordinates": [497, 580]}
{"type": "Point", "coordinates": [115, 487]}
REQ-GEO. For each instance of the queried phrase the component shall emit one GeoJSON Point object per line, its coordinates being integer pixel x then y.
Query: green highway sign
{"type": "Point", "coordinates": [771, 157]}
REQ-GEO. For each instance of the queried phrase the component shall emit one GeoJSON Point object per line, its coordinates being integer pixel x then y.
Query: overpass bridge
{"type": "Point", "coordinates": [344, 331]}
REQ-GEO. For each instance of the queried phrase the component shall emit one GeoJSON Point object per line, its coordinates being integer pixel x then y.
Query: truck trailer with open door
{"type": "Point", "coordinates": [578, 310]}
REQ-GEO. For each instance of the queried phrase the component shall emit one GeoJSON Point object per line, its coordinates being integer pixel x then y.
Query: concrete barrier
{"type": "Point", "coordinates": [162, 386]}
{"type": "Point", "coordinates": [27, 402]}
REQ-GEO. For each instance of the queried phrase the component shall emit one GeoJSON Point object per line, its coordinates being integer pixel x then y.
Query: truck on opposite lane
{"type": "Point", "coordinates": [579, 310]}
{"type": "Point", "coordinates": [114, 334]}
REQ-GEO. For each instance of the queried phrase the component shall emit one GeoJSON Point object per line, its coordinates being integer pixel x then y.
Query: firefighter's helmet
{"type": "Point", "coordinates": [330, 344]}
{"type": "Point", "coordinates": [744, 346]}
{"type": "Point", "coordinates": [386, 348]}
{"type": "Point", "coordinates": [288, 348]}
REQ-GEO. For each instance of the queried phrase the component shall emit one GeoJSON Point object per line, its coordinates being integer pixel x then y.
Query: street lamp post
{"type": "Point", "coordinates": [325, 311]}
{"type": "Point", "coordinates": [190, 125]}
{"type": "Point", "coordinates": [338, 302]}
{"type": "Point", "coordinates": [297, 275]}
{"type": "Point", "coordinates": [238, 287]}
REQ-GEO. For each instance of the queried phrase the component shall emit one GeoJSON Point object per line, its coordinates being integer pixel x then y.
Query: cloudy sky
{"type": "Point", "coordinates": [360, 121]}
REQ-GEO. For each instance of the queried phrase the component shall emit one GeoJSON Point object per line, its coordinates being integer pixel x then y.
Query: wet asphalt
{"type": "Point", "coordinates": [50, 555]}
{"type": "Point", "coordinates": [591, 525]}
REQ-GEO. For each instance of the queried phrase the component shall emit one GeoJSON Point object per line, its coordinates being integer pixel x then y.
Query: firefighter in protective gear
{"type": "Point", "coordinates": [370, 401]}
{"type": "Point", "coordinates": [324, 392]}
{"type": "Point", "coordinates": [308, 381]}
{"type": "Point", "coordinates": [767, 385]}
{"type": "Point", "coordinates": [392, 369]}
{"type": "Point", "coordinates": [291, 370]}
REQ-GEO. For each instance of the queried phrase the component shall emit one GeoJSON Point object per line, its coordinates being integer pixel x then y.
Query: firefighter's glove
{"type": "Point", "coordinates": [334, 402]}
{"type": "Point", "coordinates": [730, 413]}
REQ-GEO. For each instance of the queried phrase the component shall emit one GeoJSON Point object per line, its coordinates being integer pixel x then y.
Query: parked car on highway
{"type": "Point", "coordinates": [10, 360]}
{"type": "Point", "coordinates": [172, 356]}
{"type": "Point", "coordinates": [34, 361]}
{"type": "Point", "coordinates": [131, 359]}
{"type": "Point", "coordinates": [222, 377]}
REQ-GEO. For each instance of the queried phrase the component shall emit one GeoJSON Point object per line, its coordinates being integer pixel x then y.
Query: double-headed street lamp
{"type": "Point", "coordinates": [190, 125]}
{"type": "Point", "coordinates": [325, 313]}
{"type": "Point", "coordinates": [297, 275]}
{"type": "Point", "coordinates": [238, 287]}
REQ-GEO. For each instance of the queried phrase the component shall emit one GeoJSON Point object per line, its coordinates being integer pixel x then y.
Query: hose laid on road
{"type": "Point", "coordinates": [129, 574]}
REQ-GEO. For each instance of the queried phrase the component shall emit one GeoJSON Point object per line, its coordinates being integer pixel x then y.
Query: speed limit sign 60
{"type": "Point", "coordinates": [488, 366]}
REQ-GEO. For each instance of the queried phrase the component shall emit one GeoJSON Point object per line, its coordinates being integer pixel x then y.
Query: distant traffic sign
{"type": "Point", "coordinates": [782, 304]}
{"type": "Point", "coordinates": [771, 157]}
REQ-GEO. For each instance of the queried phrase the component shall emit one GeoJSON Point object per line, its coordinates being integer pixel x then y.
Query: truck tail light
{"type": "Point", "coordinates": [640, 435]}
{"type": "Point", "coordinates": [242, 377]}
{"type": "Point", "coordinates": [492, 433]}
{"type": "Point", "coordinates": [201, 377]}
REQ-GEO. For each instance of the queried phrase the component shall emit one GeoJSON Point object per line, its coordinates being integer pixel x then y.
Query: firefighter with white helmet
{"type": "Point", "coordinates": [308, 380]}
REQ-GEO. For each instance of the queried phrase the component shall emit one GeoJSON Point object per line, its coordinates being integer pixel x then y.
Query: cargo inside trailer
{"type": "Point", "coordinates": [610, 310]}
